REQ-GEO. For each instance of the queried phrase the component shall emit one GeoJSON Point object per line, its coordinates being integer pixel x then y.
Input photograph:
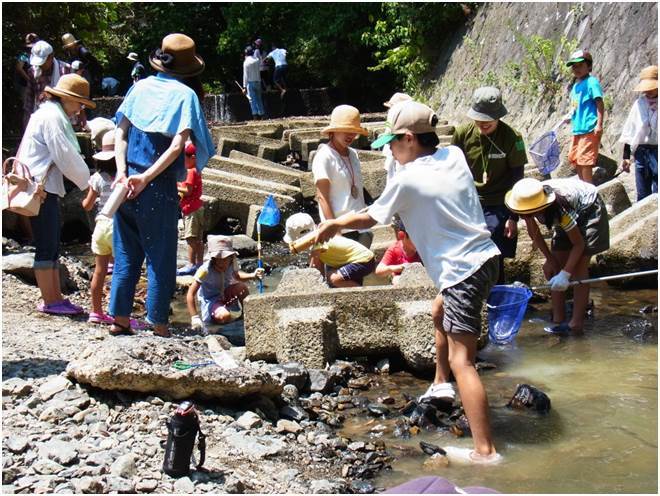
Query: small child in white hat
{"type": "Point", "coordinates": [344, 262]}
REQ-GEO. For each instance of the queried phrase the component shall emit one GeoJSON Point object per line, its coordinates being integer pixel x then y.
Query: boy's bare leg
{"type": "Point", "coordinates": [580, 294]}
{"type": "Point", "coordinates": [585, 172]}
{"type": "Point", "coordinates": [559, 297]}
{"type": "Point", "coordinates": [463, 348]}
{"type": "Point", "coordinates": [442, 370]}
{"type": "Point", "coordinates": [337, 281]}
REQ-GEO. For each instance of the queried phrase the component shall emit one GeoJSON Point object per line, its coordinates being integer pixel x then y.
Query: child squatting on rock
{"type": "Point", "coordinates": [218, 286]}
{"type": "Point", "coordinates": [436, 199]}
{"type": "Point", "coordinates": [344, 262]}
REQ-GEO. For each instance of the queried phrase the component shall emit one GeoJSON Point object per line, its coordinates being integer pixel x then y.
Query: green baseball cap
{"type": "Point", "coordinates": [579, 56]}
{"type": "Point", "coordinates": [406, 117]}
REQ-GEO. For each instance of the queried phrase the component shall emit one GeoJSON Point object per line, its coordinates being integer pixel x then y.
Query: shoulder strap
{"type": "Point", "coordinates": [202, 447]}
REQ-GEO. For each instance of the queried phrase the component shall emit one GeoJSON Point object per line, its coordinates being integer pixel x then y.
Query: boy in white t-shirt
{"type": "Point", "coordinates": [436, 199]}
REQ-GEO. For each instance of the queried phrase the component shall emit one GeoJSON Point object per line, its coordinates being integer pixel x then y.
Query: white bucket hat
{"type": "Point", "coordinates": [297, 226]}
{"type": "Point", "coordinates": [40, 52]}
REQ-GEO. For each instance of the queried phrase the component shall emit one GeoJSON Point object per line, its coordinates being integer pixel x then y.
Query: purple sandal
{"type": "Point", "coordinates": [64, 307]}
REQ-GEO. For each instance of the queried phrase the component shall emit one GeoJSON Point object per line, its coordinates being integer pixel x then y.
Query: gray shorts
{"type": "Point", "coordinates": [463, 302]}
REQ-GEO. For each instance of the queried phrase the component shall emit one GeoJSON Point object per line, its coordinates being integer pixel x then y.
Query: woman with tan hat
{"type": "Point", "coordinates": [50, 150]}
{"type": "Point", "coordinates": [337, 172]}
{"type": "Point", "coordinates": [155, 119]}
{"type": "Point", "coordinates": [576, 213]}
{"type": "Point", "coordinates": [640, 134]}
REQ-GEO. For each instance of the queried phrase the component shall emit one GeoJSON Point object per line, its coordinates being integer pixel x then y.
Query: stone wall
{"type": "Point", "coordinates": [623, 38]}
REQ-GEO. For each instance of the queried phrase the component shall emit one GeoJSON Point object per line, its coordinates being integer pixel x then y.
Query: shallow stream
{"type": "Point", "coordinates": [601, 434]}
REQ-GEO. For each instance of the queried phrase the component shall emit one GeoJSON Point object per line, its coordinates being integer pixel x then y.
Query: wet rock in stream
{"type": "Point", "coordinates": [531, 398]}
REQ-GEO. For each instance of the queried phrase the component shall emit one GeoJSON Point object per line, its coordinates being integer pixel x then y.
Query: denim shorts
{"type": "Point", "coordinates": [46, 232]}
{"type": "Point", "coordinates": [357, 271]}
{"type": "Point", "coordinates": [463, 302]}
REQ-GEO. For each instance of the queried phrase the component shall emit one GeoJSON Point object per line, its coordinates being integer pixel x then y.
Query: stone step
{"type": "Point", "coordinates": [228, 140]}
{"type": "Point", "coordinates": [227, 200]}
{"type": "Point", "coordinates": [257, 170]}
{"type": "Point", "coordinates": [250, 182]}
{"type": "Point", "coordinates": [614, 196]}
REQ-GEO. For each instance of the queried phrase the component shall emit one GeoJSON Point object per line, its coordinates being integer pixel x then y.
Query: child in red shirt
{"type": "Point", "coordinates": [398, 255]}
{"type": "Point", "coordinates": [193, 213]}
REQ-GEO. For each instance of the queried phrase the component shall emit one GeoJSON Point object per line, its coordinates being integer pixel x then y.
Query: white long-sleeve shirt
{"type": "Point", "coordinates": [250, 70]}
{"type": "Point", "coordinates": [47, 141]}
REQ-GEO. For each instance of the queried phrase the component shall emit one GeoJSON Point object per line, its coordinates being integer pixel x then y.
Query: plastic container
{"type": "Point", "coordinates": [506, 308]}
{"type": "Point", "coordinates": [116, 198]}
{"type": "Point", "coordinates": [545, 152]}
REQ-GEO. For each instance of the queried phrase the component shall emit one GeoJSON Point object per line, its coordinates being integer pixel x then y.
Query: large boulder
{"type": "Point", "coordinates": [144, 364]}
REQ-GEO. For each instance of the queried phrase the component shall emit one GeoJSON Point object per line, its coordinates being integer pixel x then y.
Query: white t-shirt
{"type": "Point", "coordinates": [328, 164]}
{"type": "Point", "coordinates": [391, 165]}
{"type": "Point", "coordinates": [279, 56]}
{"type": "Point", "coordinates": [250, 70]}
{"type": "Point", "coordinates": [100, 183]}
{"type": "Point", "coordinates": [438, 203]}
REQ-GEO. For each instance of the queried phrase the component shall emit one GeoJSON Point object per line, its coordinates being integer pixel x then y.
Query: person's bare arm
{"type": "Point", "coordinates": [600, 112]}
{"type": "Point", "coordinates": [323, 197]}
{"type": "Point", "coordinates": [121, 147]}
{"type": "Point", "coordinates": [88, 201]}
{"type": "Point", "coordinates": [191, 298]}
{"type": "Point", "coordinates": [330, 228]}
{"type": "Point", "coordinates": [577, 250]}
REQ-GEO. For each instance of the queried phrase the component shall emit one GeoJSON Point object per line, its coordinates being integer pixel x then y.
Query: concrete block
{"type": "Point", "coordinates": [614, 196]}
{"type": "Point", "coordinates": [416, 335]}
{"type": "Point", "coordinates": [252, 168]}
{"type": "Point", "coordinates": [307, 335]}
{"type": "Point", "coordinates": [248, 181]}
{"type": "Point", "coordinates": [267, 148]}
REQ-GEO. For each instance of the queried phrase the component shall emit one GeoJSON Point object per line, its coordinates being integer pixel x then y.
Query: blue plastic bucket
{"type": "Point", "coordinates": [506, 308]}
{"type": "Point", "coordinates": [545, 152]}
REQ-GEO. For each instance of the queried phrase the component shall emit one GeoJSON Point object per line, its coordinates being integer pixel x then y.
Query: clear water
{"type": "Point", "coordinates": [601, 434]}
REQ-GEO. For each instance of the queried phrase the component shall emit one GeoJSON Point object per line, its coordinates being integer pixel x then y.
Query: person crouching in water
{"type": "Point", "coordinates": [581, 229]}
{"type": "Point", "coordinates": [348, 262]}
{"type": "Point", "coordinates": [400, 254]}
{"type": "Point", "coordinates": [218, 285]}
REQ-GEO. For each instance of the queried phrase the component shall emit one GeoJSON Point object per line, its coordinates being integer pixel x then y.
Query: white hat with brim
{"type": "Point", "coordinates": [133, 56]}
{"type": "Point", "coordinates": [107, 147]}
{"type": "Point", "coordinates": [298, 225]}
{"type": "Point", "coordinates": [528, 196]}
{"type": "Point", "coordinates": [220, 246]}
{"type": "Point", "coordinates": [98, 126]}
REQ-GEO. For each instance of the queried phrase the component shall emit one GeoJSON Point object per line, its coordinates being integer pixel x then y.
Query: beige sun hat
{"type": "Point", "coordinates": [177, 56]}
{"type": "Point", "coordinates": [528, 196]}
{"type": "Point", "coordinates": [648, 79]}
{"type": "Point", "coordinates": [397, 98]}
{"type": "Point", "coordinates": [297, 226]}
{"type": "Point", "coordinates": [345, 119]}
{"type": "Point", "coordinates": [68, 40]}
{"type": "Point", "coordinates": [73, 87]}
{"type": "Point", "coordinates": [98, 127]}
{"type": "Point", "coordinates": [219, 246]}
{"type": "Point", "coordinates": [107, 147]}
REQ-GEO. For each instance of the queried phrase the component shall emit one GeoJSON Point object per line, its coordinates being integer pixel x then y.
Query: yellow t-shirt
{"type": "Point", "coordinates": [340, 251]}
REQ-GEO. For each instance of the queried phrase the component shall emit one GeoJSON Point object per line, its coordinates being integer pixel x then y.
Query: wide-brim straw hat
{"type": "Point", "coordinates": [528, 196]}
{"type": "Point", "coordinates": [177, 56]}
{"type": "Point", "coordinates": [649, 79]}
{"type": "Point", "coordinates": [68, 40]}
{"type": "Point", "coordinates": [73, 87]}
{"type": "Point", "coordinates": [345, 119]}
{"type": "Point", "coordinates": [219, 246]}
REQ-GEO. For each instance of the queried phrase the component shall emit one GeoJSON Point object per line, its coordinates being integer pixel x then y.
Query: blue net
{"type": "Point", "coordinates": [270, 214]}
{"type": "Point", "coordinates": [506, 308]}
{"type": "Point", "coordinates": [545, 152]}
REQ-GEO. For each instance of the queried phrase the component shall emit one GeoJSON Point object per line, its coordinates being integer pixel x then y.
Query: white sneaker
{"type": "Point", "coordinates": [468, 456]}
{"type": "Point", "coordinates": [444, 390]}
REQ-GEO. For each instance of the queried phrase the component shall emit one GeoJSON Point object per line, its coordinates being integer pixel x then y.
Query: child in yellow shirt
{"type": "Point", "coordinates": [344, 262]}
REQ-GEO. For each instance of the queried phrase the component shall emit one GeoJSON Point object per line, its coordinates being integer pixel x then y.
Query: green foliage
{"type": "Point", "coordinates": [406, 37]}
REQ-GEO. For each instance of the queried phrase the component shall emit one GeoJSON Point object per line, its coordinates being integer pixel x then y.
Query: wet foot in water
{"type": "Point", "coordinates": [469, 456]}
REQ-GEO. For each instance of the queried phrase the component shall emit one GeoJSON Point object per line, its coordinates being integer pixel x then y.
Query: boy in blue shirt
{"type": "Point", "coordinates": [587, 117]}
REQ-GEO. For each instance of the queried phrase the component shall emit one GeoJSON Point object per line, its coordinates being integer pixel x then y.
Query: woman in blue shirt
{"type": "Point", "coordinates": [155, 119]}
